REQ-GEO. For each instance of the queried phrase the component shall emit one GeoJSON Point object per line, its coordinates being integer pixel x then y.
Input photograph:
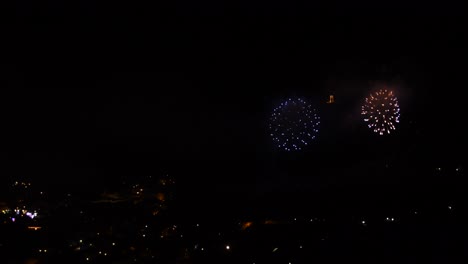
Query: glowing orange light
{"type": "Point", "coordinates": [161, 197]}
{"type": "Point", "coordinates": [270, 222]}
{"type": "Point", "coordinates": [246, 225]}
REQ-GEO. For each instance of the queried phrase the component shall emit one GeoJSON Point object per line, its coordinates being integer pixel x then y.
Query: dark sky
{"type": "Point", "coordinates": [95, 91]}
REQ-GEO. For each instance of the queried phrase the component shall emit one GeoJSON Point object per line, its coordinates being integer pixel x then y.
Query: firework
{"type": "Point", "coordinates": [293, 124]}
{"type": "Point", "coordinates": [381, 111]}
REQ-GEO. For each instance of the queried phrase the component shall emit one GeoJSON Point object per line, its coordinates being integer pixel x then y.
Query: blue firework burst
{"type": "Point", "coordinates": [294, 124]}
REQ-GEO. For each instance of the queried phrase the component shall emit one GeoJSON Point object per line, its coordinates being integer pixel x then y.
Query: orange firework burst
{"type": "Point", "coordinates": [381, 111]}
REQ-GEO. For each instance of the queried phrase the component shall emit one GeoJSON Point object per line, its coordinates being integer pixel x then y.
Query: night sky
{"type": "Point", "coordinates": [93, 92]}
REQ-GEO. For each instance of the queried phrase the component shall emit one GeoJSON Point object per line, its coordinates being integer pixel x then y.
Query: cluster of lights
{"type": "Point", "coordinates": [172, 230]}
{"type": "Point", "coordinates": [293, 124]}
{"type": "Point", "coordinates": [381, 111]}
{"type": "Point", "coordinates": [226, 247]}
{"type": "Point", "coordinates": [22, 184]}
{"type": "Point", "coordinates": [21, 212]}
